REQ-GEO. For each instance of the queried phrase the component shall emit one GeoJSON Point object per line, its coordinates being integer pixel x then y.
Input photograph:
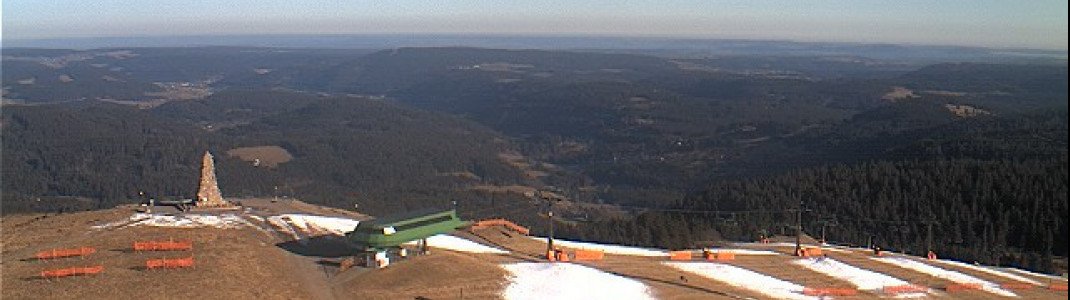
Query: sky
{"type": "Point", "coordinates": [1040, 24]}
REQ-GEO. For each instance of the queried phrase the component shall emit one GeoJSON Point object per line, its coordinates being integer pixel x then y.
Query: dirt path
{"type": "Point", "coordinates": [313, 278]}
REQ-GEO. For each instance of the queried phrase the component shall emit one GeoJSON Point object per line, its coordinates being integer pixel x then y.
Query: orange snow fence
{"type": "Point", "coordinates": [59, 253]}
{"type": "Point", "coordinates": [959, 287]}
{"type": "Point", "coordinates": [724, 256]}
{"type": "Point", "coordinates": [1016, 286]}
{"type": "Point", "coordinates": [830, 292]}
{"type": "Point", "coordinates": [57, 273]}
{"type": "Point", "coordinates": [169, 263]}
{"type": "Point", "coordinates": [501, 222]}
{"type": "Point", "coordinates": [163, 246]}
{"type": "Point", "coordinates": [1057, 287]}
{"type": "Point", "coordinates": [583, 254]}
{"type": "Point", "coordinates": [680, 255]}
{"type": "Point", "coordinates": [809, 252]}
{"type": "Point", "coordinates": [903, 289]}
{"type": "Point", "coordinates": [719, 255]}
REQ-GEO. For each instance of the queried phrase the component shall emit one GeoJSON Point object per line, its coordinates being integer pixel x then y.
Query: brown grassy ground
{"type": "Point", "coordinates": [443, 274]}
{"type": "Point", "coordinates": [243, 263]}
{"type": "Point", "coordinates": [229, 262]}
{"type": "Point", "coordinates": [250, 264]}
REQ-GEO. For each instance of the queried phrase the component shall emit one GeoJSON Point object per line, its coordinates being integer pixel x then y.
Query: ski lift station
{"type": "Point", "coordinates": [378, 237]}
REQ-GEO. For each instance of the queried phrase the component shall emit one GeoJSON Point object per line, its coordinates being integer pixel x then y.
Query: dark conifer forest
{"type": "Point", "coordinates": [645, 148]}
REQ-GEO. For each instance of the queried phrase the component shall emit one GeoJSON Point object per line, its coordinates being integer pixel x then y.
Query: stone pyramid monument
{"type": "Point", "coordinates": [209, 195]}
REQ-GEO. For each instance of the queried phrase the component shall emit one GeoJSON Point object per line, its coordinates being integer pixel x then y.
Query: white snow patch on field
{"type": "Point", "coordinates": [120, 223]}
{"type": "Point", "coordinates": [744, 251]}
{"type": "Point", "coordinates": [861, 278]}
{"type": "Point", "coordinates": [283, 226]}
{"type": "Point", "coordinates": [838, 249]}
{"type": "Point", "coordinates": [609, 249]}
{"type": "Point", "coordinates": [299, 226]}
{"type": "Point", "coordinates": [450, 242]}
{"type": "Point", "coordinates": [745, 279]}
{"type": "Point", "coordinates": [1031, 273]}
{"type": "Point", "coordinates": [988, 270]}
{"type": "Point", "coordinates": [315, 225]}
{"type": "Point", "coordinates": [945, 274]}
{"type": "Point", "coordinates": [180, 221]}
{"type": "Point", "coordinates": [777, 244]}
{"type": "Point", "coordinates": [569, 281]}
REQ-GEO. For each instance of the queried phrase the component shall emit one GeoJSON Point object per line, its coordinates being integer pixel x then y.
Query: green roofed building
{"type": "Point", "coordinates": [392, 231]}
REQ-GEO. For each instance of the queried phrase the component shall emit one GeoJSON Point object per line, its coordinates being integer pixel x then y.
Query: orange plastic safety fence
{"type": "Point", "coordinates": [562, 256]}
{"type": "Point", "coordinates": [809, 252]}
{"type": "Point", "coordinates": [903, 289]}
{"type": "Point", "coordinates": [163, 246]}
{"type": "Point", "coordinates": [583, 254]}
{"type": "Point", "coordinates": [56, 273]}
{"type": "Point", "coordinates": [60, 253]}
{"type": "Point", "coordinates": [169, 263]}
{"type": "Point", "coordinates": [830, 292]}
{"type": "Point", "coordinates": [723, 256]}
{"type": "Point", "coordinates": [502, 222]}
{"type": "Point", "coordinates": [959, 287]}
{"type": "Point", "coordinates": [1057, 287]}
{"type": "Point", "coordinates": [680, 255]}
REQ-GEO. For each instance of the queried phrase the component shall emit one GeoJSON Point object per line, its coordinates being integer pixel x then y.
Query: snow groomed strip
{"type": "Point", "coordinates": [953, 276]}
{"type": "Point", "coordinates": [312, 225]}
{"type": "Point", "coordinates": [744, 279]}
{"type": "Point", "coordinates": [862, 279]}
{"type": "Point", "coordinates": [988, 270]}
{"type": "Point", "coordinates": [569, 281]}
{"type": "Point", "coordinates": [450, 242]}
{"type": "Point", "coordinates": [1031, 273]}
{"type": "Point", "coordinates": [609, 249]}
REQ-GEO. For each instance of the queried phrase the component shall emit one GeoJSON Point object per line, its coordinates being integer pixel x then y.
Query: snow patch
{"type": "Point", "coordinates": [861, 278]}
{"type": "Point", "coordinates": [945, 274]}
{"type": "Point", "coordinates": [745, 251]}
{"type": "Point", "coordinates": [609, 249]}
{"type": "Point", "coordinates": [745, 279]}
{"type": "Point", "coordinates": [569, 281]}
{"type": "Point", "coordinates": [450, 242]}
{"type": "Point", "coordinates": [1031, 273]}
{"type": "Point", "coordinates": [283, 226]}
{"type": "Point", "coordinates": [777, 244]}
{"type": "Point", "coordinates": [125, 222]}
{"type": "Point", "coordinates": [838, 249]}
{"type": "Point", "coordinates": [988, 270]}
{"type": "Point", "coordinates": [310, 225]}
{"type": "Point", "coordinates": [188, 220]}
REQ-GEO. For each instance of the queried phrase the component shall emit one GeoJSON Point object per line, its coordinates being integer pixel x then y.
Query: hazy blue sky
{"type": "Point", "coordinates": [1007, 23]}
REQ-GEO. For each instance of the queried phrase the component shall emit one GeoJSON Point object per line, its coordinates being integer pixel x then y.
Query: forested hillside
{"type": "Point", "coordinates": [644, 147]}
{"type": "Point", "coordinates": [346, 151]}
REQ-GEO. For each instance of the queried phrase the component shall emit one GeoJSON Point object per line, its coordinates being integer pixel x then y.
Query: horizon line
{"type": "Point", "coordinates": [664, 37]}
